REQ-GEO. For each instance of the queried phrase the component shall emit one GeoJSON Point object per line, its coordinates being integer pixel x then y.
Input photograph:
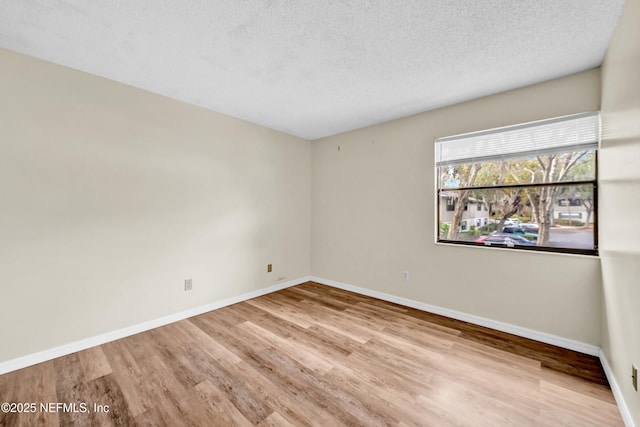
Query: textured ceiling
{"type": "Point", "coordinates": [316, 68]}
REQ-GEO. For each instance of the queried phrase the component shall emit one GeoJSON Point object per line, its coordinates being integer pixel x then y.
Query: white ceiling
{"type": "Point", "coordinates": [316, 68]}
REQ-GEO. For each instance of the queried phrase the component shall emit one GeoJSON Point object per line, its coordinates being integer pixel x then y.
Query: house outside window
{"type": "Point", "coordinates": [538, 179]}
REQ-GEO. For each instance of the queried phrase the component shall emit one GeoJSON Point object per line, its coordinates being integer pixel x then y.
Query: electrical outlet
{"type": "Point", "coordinates": [188, 285]}
{"type": "Point", "coordinates": [269, 268]}
{"type": "Point", "coordinates": [405, 275]}
{"type": "Point", "coordinates": [634, 377]}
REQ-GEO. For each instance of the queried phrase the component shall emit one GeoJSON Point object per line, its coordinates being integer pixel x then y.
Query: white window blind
{"type": "Point", "coordinates": [579, 132]}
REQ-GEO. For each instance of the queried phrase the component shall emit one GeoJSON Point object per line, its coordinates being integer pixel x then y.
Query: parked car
{"type": "Point", "coordinates": [530, 228]}
{"type": "Point", "coordinates": [520, 240]}
{"type": "Point", "coordinates": [521, 231]}
{"type": "Point", "coordinates": [481, 238]}
{"type": "Point", "coordinates": [506, 239]}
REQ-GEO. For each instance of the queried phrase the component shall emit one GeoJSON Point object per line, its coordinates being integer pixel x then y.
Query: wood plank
{"type": "Point", "coordinates": [312, 360]}
{"type": "Point", "coordinates": [107, 403]}
{"type": "Point", "coordinates": [333, 400]}
{"type": "Point", "coordinates": [94, 363]}
{"type": "Point", "coordinates": [150, 417]}
{"type": "Point", "coordinates": [275, 420]}
{"type": "Point", "coordinates": [577, 404]}
{"type": "Point", "coordinates": [395, 403]}
{"type": "Point", "coordinates": [34, 385]}
{"type": "Point", "coordinates": [287, 401]}
{"type": "Point", "coordinates": [229, 414]}
{"type": "Point", "coordinates": [278, 309]}
{"type": "Point", "coordinates": [129, 376]}
{"type": "Point", "coordinates": [177, 405]}
{"type": "Point", "coordinates": [238, 392]}
{"type": "Point", "coordinates": [213, 348]}
{"type": "Point", "coordinates": [72, 389]}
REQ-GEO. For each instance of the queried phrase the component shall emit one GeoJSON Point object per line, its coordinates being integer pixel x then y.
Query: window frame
{"type": "Point", "coordinates": [547, 249]}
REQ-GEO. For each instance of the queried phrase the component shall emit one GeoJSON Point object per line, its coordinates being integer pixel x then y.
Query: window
{"type": "Point", "coordinates": [567, 215]}
{"type": "Point", "coordinates": [538, 179]}
{"type": "Point", "coordinates": [451, 204]}
{"type": "Point", "coordinates": [569, 202]}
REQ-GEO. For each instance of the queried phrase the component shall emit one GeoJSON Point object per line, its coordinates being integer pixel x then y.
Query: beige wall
{"type": "Point", "coordinates": [111, 196]}
{"type": "Point", "coordinates": [374, 216]}
{"type": "Point", "coordinates": [619, 179]}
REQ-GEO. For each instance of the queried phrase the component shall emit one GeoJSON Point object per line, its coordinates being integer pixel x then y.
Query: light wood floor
{"type": "Point", "coordinates": [314, 355]}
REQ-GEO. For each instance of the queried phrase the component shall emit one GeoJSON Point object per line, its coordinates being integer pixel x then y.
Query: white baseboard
{"type": "Point", "coordinates": [617, 393]}
{"type": "Point", "coordinates": [470, 318]}
{"type": "Point", "coordinates": [63, 350]}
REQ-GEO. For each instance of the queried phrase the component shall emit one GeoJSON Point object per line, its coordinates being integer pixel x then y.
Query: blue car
{"type": "Point", "coordinates": [520, 231]}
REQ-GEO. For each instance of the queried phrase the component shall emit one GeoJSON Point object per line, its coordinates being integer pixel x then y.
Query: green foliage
{"type": "Point", "coordinates": [487, 229]}
{"type": "Point", "coordinates": [444, 230]}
